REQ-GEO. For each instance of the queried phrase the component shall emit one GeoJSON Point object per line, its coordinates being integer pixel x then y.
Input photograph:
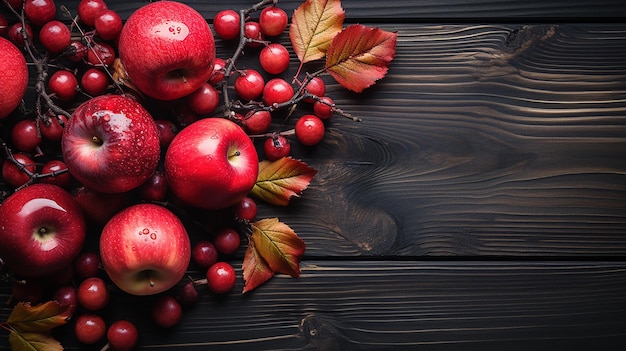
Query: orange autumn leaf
{"type": "Point", "coordinates": [360, 55]}
{"type": "Point", "coordinates": [256, 271]}
{"type": "Point", "coordinates": [278, 181]}
{"type": "Point", "coordinates": [39, 318]}
{"type": "Point", "coordinates": [33, 342]}
{"type": "Point", "coordinates": [279, 246]}
{"type": "Point", "coordinates": [314, 24]}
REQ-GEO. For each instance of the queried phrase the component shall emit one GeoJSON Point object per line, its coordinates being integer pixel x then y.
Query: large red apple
{"type": "Point", "coordinates": [13, 75]}
{"type": "Point", "coordinates": [42, 230]}
{"type": "Point", "coordinates": [145, 249]}
{"type": "Point", "coordinates": [167, 49]}
{"type": "Point", "coordinates": [211, 164]}
{"type": "Point", "coordinates": [111, 144]}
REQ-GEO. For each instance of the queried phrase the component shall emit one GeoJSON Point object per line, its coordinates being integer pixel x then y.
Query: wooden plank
{"type": "Point", "coordinates": [431, 10]}
{"type": "Point", "coordinates": [482, 140]}
{"type": "Point", "coordinates": [399, 305]}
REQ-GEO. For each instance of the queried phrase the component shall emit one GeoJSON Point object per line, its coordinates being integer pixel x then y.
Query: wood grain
{"type": "Point", "coordinates": [482, 140]}
{"type": "Point", "coordinates": [479, 205]}
{"type": "Point", "coordinates": [384, 305]}
{"type": "Point", "coordinates": [435, 10]}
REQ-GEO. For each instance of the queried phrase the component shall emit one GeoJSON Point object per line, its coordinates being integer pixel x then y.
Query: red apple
{"type": "Point", "coordinates": [111, 144]}
{"type": "Point", "coordinates": [167, 49]}
{"type": "Point", "coordinates": [42, 230]}
{"type": "Point", "coordinates": [13, 75]}
{"type": "Point", "coordinates": [211, 164]}
{"type": "Point", "coordinates": [145, 249]}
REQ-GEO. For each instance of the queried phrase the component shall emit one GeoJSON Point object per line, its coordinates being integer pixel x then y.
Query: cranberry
{"type": "Point", "coordinates": [89, 328]}
{"type": "Point", "coordinates": [167, 131]}
{"type": "Point", "coordinates": [309, 130]}
{"type": "Point", "coordinates": [93, 294]}
{"type": "Point", "coordinates": [276, 147]}
{"type": "Point", "coordinates": [122, 335]}
{"type": "Point", "coordinates": [246, 209]}
{"type": "Point", "coordinates": [204, 254]}
{"type": "Point", "coordinates": [166, 311]}
{"type": "Point", "coordinates": [274, 58]}
{"type": "Point", "coordinates": [218, 71]}
{"type": "Point", "coordinates": [258, 122]}
{"type": "Point", "coordinates": [16, 33]}
{"type": "Point", "coordinates": [226, 24]}
{"type": "Point", "coordinates": [77, 51]}
{"type": "Point", "coordinates": [88, 10]}
{"type": "Point", "coordinates": [87, 265]}
{"type": "Point", "coordinates": [55, 36]}
{"type": "Point", "coordinates": [277, 91]}
{"type": "Point", "coordinates": [252, 30]}
{"type": "Point", "coordinates": [249, 84]}
{"type": "Point", "coordinates": [108, 24]}
{"type": "Point", "coordinates": [324, 108]}
{"type": "Point", "coordinates": [315, 86]}
{"type": "Point", "coordinates": [63, 84]}
{"type": "Point", "coordinates": [273, 21]}
{"type": "Point", "coordinates": [221, 278]}
{"type": "Point", "coordinates": [227, 241]}
{"type": "Point", "coordinates": [51, 128]}
{"type": "Point", "coordinates": [204, 100]}
{"type": "Point", "coordinates": [62, 179]}
{"type": "Point", "coordinates": [101, 54]}
{"type": "Point", "coordinates": [39, 12]}
{"type": "Point", "coordinates": [13, 174]}
{"type": "Point", "coordinates": [94, 82]}
{"type": "Point", "coordinates": [25, 135]}
{"type": "Point", "coordinates": [155, 188]}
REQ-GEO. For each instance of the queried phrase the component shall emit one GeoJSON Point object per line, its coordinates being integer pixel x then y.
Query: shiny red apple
{"type": "Point", "coordinates": [211, 164]}
{"type": "Point", "coordinates": [42, 230]}
{"type": "Point", "coordinates": [167, 49]}
{"type": "Point", "coordinates": [145, 249]}
{"type": "Point", "coordinates": [13, 75]}
{"type": "Point", "coordinates": [111, 144]}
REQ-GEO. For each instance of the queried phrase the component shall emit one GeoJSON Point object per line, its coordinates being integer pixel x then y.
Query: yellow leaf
{"type": "Point", "coordinates": [33, 342]}
{"type": "Point", "coordinates": [39, 318]}
{"type": "Point", "coordinates": [282, 179]}
{"type": "Point", "coordinates": [314, 24]}
{"type": "Point", "coordinates": [279, 245]}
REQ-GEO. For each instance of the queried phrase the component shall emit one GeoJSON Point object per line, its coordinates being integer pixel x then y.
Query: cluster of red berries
{"type": "Point", "coordinates": [262, 92]}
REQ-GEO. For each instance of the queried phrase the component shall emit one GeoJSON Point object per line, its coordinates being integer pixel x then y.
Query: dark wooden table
{"type": "Point", "coordinates": [479, 205]}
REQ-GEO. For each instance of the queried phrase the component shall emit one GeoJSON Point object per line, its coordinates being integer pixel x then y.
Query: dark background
{"type": "Point", "coordinates": [479, 205]}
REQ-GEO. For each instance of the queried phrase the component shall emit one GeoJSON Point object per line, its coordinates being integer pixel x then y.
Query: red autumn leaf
{"type": "Point", "coordinates": [282, 179]}
{"type": "Point", "coordinates": [360, 55]}
{"type": "Point", "coordinates": [33, 342]}
{"type": "Point", "coordinates": [314, 24]}
{"type": "Point", "coordinates": [39, 318]}
{"type": "Point", "coordinates": [279, 246]}
{"type": "Point", "coordinates": [255, 270]}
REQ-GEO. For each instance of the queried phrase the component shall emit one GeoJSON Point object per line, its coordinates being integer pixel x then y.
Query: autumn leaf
{"type": "Point", "coordinates": [282, 179]}
{"type": "Point", "coordinates": [360, 55]}
{"type": "Point", "coordinates": [33, 342]}
{"type": "Point", "coordinates": [279, 246]}
{"type": "Point", "coordinates": [314, 24]}
{"type": "Point", "coordinates": [39, 318]}
{"type": "Point", "coordinates": [255, 270]}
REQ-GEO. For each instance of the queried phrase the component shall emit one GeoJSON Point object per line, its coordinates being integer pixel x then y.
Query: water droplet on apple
{"type": "Point", "coordinates": [215, 136]}
{"type": "Point", "coordinates": [145, 231]}
{"type": "Point", "coordinates": [153, 236]}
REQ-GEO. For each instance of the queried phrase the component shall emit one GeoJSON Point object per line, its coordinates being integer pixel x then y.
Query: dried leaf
{"type": "Point", "coordinates": [360, 55]}
{"type": "Point", "coordinates": [255, 270]}
{"type": "Point", "coordinates": [33, 342]}
{"type": "Point", "coordinates": [278, 245]}
{"type": "Point", "coordinates": [39, 318]}
{"type": "Point", "coordinates": [314, 24]}
{"type": "Point", "coordinates": [282, 179]}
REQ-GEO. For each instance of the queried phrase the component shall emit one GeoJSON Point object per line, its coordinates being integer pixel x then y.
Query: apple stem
{"type": "Point", "coordinates": [150, 281]}
{"type": "Point", "coordinates": [236, 153]}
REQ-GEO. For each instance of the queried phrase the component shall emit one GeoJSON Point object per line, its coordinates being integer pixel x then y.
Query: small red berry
{"type": "Point", "coordinates": [324, 108]}
{"type": "Point", "coordinates": [89, 328]}
{"type": "Point", "coordinates": [166, 311]}
{"type": "Point", "coordinates": [93, 294]}
{"type": "Point", "coordinates": [246, 209]}
{"type": "Point", "coordinates": [55, 36]}
{"type": "Point", "coordinates": [249, 84]}
{"type": "Point", "coordinates": [309, 130]}
{"type": "Point", "coordinates": [277, 91]}
{"type": "Point", "coordinates": [273, 21]}
{"type": "Point", "coordinates": [276, 147]}
{"type": "Point", "coordinates": [227, 241]}
{"type": "Point", "coordinates": [226, 24]}
{"type": "Point", "coordinates": [274, 58]}
{"type": "Point", "coordinates": [221, 278]}
{"type": "Point", "coordinates": [252, 30]}
{"type": "Point", "coordinates": [122, 335]}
